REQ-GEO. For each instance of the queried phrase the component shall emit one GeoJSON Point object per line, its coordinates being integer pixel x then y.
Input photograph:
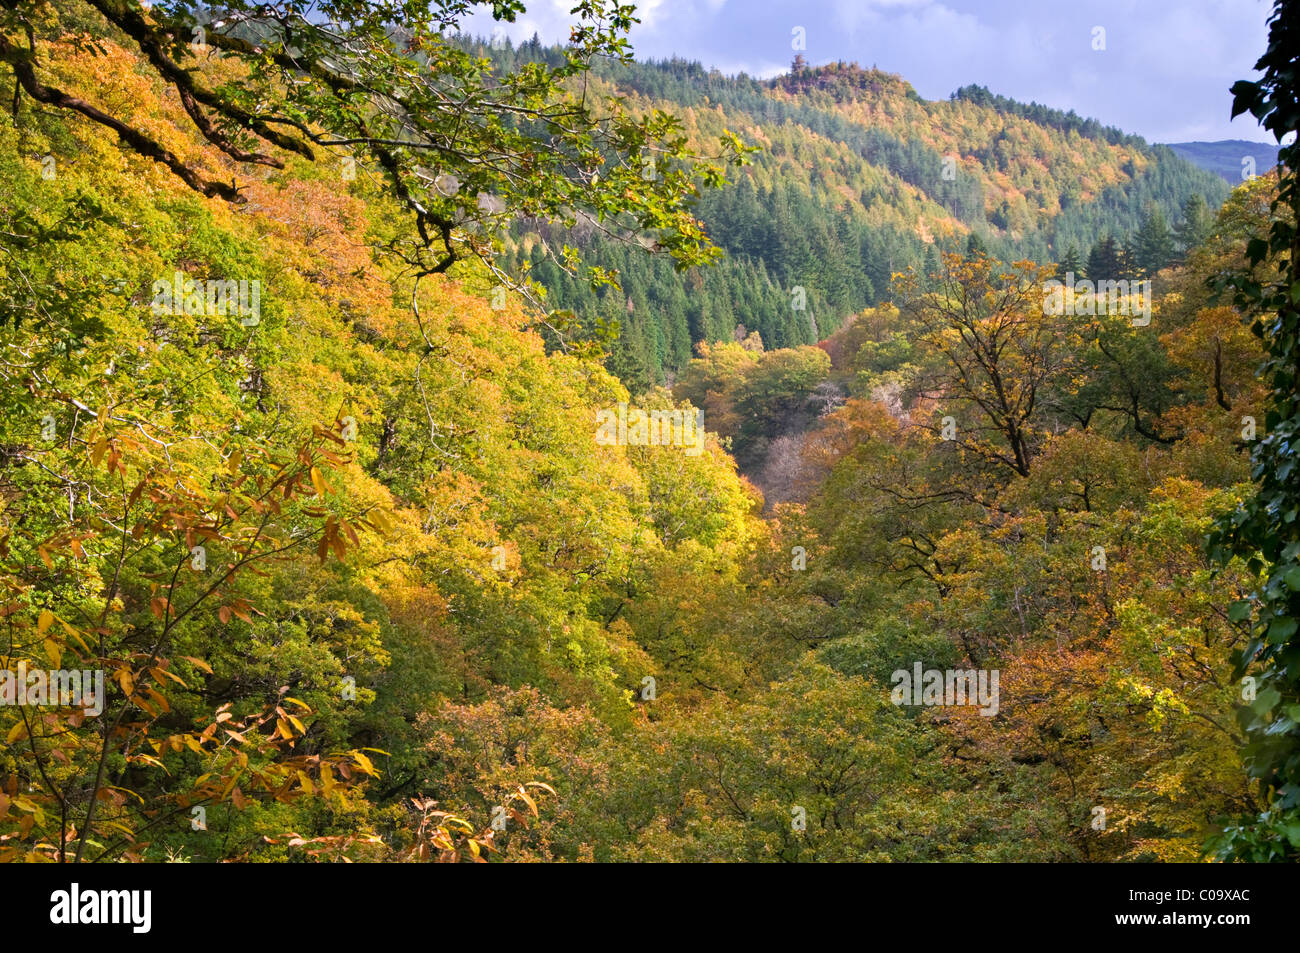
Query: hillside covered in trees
{"type": "Point", "coordinates": [1234, 159]}
{"type": "Point", "coordinates": [386, 542]}
{"type": "Point", "coordinates": [856, 177]}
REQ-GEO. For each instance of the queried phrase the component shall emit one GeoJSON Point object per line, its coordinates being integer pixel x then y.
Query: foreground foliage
{"type": "Point", "coordinates": [364, 586]}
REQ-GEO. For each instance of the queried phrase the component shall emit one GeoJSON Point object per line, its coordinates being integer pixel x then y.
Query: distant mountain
{"type": "Point", "coordinates": [1226, 157]}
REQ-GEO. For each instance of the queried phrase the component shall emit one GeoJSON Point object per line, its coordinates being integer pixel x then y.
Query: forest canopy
{"type": "Point", "coordinates": [311, 547]}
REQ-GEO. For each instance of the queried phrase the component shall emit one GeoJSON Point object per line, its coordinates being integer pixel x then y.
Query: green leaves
{"type": "Point", "coordinates": [1280, 630]}
{"type": "Point", "coordinates": [463, 146]}
{"type": "Point", "coordinates": [1264, 530]}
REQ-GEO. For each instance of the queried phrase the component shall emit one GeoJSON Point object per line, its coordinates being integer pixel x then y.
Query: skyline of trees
{"type": "Point", "coordinates": [365, 581]}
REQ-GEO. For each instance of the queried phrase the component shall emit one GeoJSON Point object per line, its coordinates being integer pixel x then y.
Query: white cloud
{"type": "Point", "coordinates": [1165, 73]}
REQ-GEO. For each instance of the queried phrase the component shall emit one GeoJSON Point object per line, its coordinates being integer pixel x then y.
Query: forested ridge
{"type": "Point", "coordinates": [1231, 158]}
{"type": "Point", "coordinates": [858, 177]}
{"type": "Point", "coordinates": [310, 330]}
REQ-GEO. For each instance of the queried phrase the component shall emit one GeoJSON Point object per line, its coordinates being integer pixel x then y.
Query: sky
{"type": "Point", "coordinates": [1158, 68]}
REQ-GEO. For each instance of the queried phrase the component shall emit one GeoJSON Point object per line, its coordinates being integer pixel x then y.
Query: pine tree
{"type": "Point", "coordinates": [931, 261]}
{"type": "Point", "coordinates": [1070, 263]}
{"type": "Point", "coordinates": [1153, 245]}
{"type": "Point", "coordinates": [1104, 260]}
{"type": "Point", "coordinates": [1128, 257]}
{"type": "Point", "coordinates": [1197, 223]}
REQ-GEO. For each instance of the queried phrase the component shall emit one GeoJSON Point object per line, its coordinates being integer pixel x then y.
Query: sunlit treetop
{"type": "Point", "coordinates": [394, 88]}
